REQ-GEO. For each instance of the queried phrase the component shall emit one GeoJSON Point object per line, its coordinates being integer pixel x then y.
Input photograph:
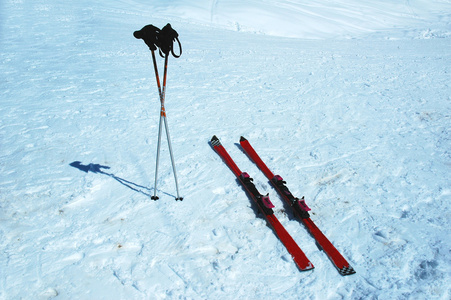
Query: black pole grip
{"type": "Point", "coordinates": [150, 35]}
{"type": "Point", "coordinates": [166, 40]}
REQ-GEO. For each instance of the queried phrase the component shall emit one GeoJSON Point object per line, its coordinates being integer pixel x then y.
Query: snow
{"type": "Point", "coordinates": [349, 101]}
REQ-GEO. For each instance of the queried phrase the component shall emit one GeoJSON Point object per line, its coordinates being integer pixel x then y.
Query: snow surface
{"type": "Point", "coordinates": [349, 101]}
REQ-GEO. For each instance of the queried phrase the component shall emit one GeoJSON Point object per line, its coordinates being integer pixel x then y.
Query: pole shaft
{"type": "Point", "coordinates": [163, 119]}
{"type": "Point", "coordinates": [156, 73]}
{"type": "Point", "coordinates": [158, 159]}
{"type": "Point", "coordinates": [172, 156]}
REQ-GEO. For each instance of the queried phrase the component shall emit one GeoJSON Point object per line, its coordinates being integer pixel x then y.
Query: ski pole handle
{"type": "Point", "coordinates": [166, 40]}
{"type": "Point", "coordinates": [150, 35]}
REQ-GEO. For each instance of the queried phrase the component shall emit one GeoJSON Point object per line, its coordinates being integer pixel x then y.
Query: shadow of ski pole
{"type": "Point", "coordinates": [97, 168]}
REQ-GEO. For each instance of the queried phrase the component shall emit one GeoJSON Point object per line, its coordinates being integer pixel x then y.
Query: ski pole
{"type": "Point", "coordinates": [165, 120]}
{"type": "Point", "coordinates": [162, 110]}
{"type": "Point", "coordinates": [163, 39]}
{"type": "Point", "coordinates": [162, 116]}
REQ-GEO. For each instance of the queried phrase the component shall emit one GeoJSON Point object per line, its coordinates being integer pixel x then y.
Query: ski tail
{"type": "Point", "coordinates": [265, 207]}
{"type": "Point", "coordinates": [342, 265]}
{"type": "Point", "coordinates": [299, 257]}
{"type": "Point", "coordinates": [300, 209]}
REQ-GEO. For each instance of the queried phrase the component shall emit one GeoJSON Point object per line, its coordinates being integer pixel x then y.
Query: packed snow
{"type": "Point", "coordinates": [349, 101]}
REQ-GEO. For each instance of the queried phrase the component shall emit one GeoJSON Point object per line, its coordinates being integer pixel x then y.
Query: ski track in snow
{"type": "Point", "coordinates": [361, 127]}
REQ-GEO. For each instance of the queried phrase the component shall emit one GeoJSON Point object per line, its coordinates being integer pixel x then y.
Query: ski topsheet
{"type": "Point", "coordinates": [300, 209]}
{"type": "Point", "coordinates": [265, 206]}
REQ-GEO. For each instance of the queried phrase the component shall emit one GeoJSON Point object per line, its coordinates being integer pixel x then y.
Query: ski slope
{"type": "Point", "coordinates": [349, 101]}
{"type": "Point", "coordinates": [310, 19]}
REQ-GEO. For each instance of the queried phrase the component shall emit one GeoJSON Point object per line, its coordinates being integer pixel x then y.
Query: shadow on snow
{"type": "Point", "coordinates": [97, 168]}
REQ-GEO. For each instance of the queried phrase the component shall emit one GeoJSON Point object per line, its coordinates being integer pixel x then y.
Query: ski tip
{"type": "Point", "coordinates": [215, 141]}
{"type": "Point", "coordinates": [242, 139]}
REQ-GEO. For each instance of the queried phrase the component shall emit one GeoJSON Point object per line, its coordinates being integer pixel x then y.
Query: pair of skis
{"type": "Point", "coordinates": [299, 207]}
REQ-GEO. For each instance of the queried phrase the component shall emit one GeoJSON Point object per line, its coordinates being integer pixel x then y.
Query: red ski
{"type": "Point", "coordinates": [300, 210]}
{"type": "Point", "coordinates": [265, 206]}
